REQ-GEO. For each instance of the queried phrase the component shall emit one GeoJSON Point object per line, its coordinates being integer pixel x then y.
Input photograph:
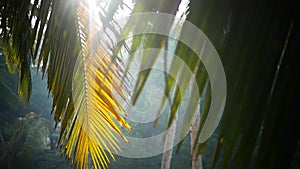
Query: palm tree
{"type": "Point", "coordinates": [256, 40]}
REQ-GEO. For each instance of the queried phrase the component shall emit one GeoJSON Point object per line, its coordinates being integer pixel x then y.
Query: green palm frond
{"type": "Point", "coordinates": [16, 32]}
{"type": "Point", "coordinates": [250, 63]}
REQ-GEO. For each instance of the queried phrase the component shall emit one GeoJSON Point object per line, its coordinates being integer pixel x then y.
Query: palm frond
{"type": "Point", "coordinates": [62, 39]}
{"type": "Point", "coordinates": [95, 107]}
{"type": "Point", "coordinates": [16, 32]}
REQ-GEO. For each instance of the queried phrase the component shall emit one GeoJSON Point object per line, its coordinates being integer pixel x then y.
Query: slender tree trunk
{"type": "Point", "coordinates": [170, 134]}
{"type": "Point", "coordinates": [169, 141]}
{"type": "Point", "coordinates": [196, 159]}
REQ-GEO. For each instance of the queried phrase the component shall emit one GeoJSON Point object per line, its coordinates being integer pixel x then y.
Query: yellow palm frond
{"type": "Point", "coordinates": [91, 129]}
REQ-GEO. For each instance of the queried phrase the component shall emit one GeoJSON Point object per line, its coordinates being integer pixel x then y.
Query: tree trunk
{"type": "Point", "coordinates": [196, 159]}
{"type": "Point", "coordinates": [169, 141]}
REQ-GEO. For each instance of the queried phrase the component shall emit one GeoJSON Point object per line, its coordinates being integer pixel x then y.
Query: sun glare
{"type": "Point", "coordinates": [93, 8]}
